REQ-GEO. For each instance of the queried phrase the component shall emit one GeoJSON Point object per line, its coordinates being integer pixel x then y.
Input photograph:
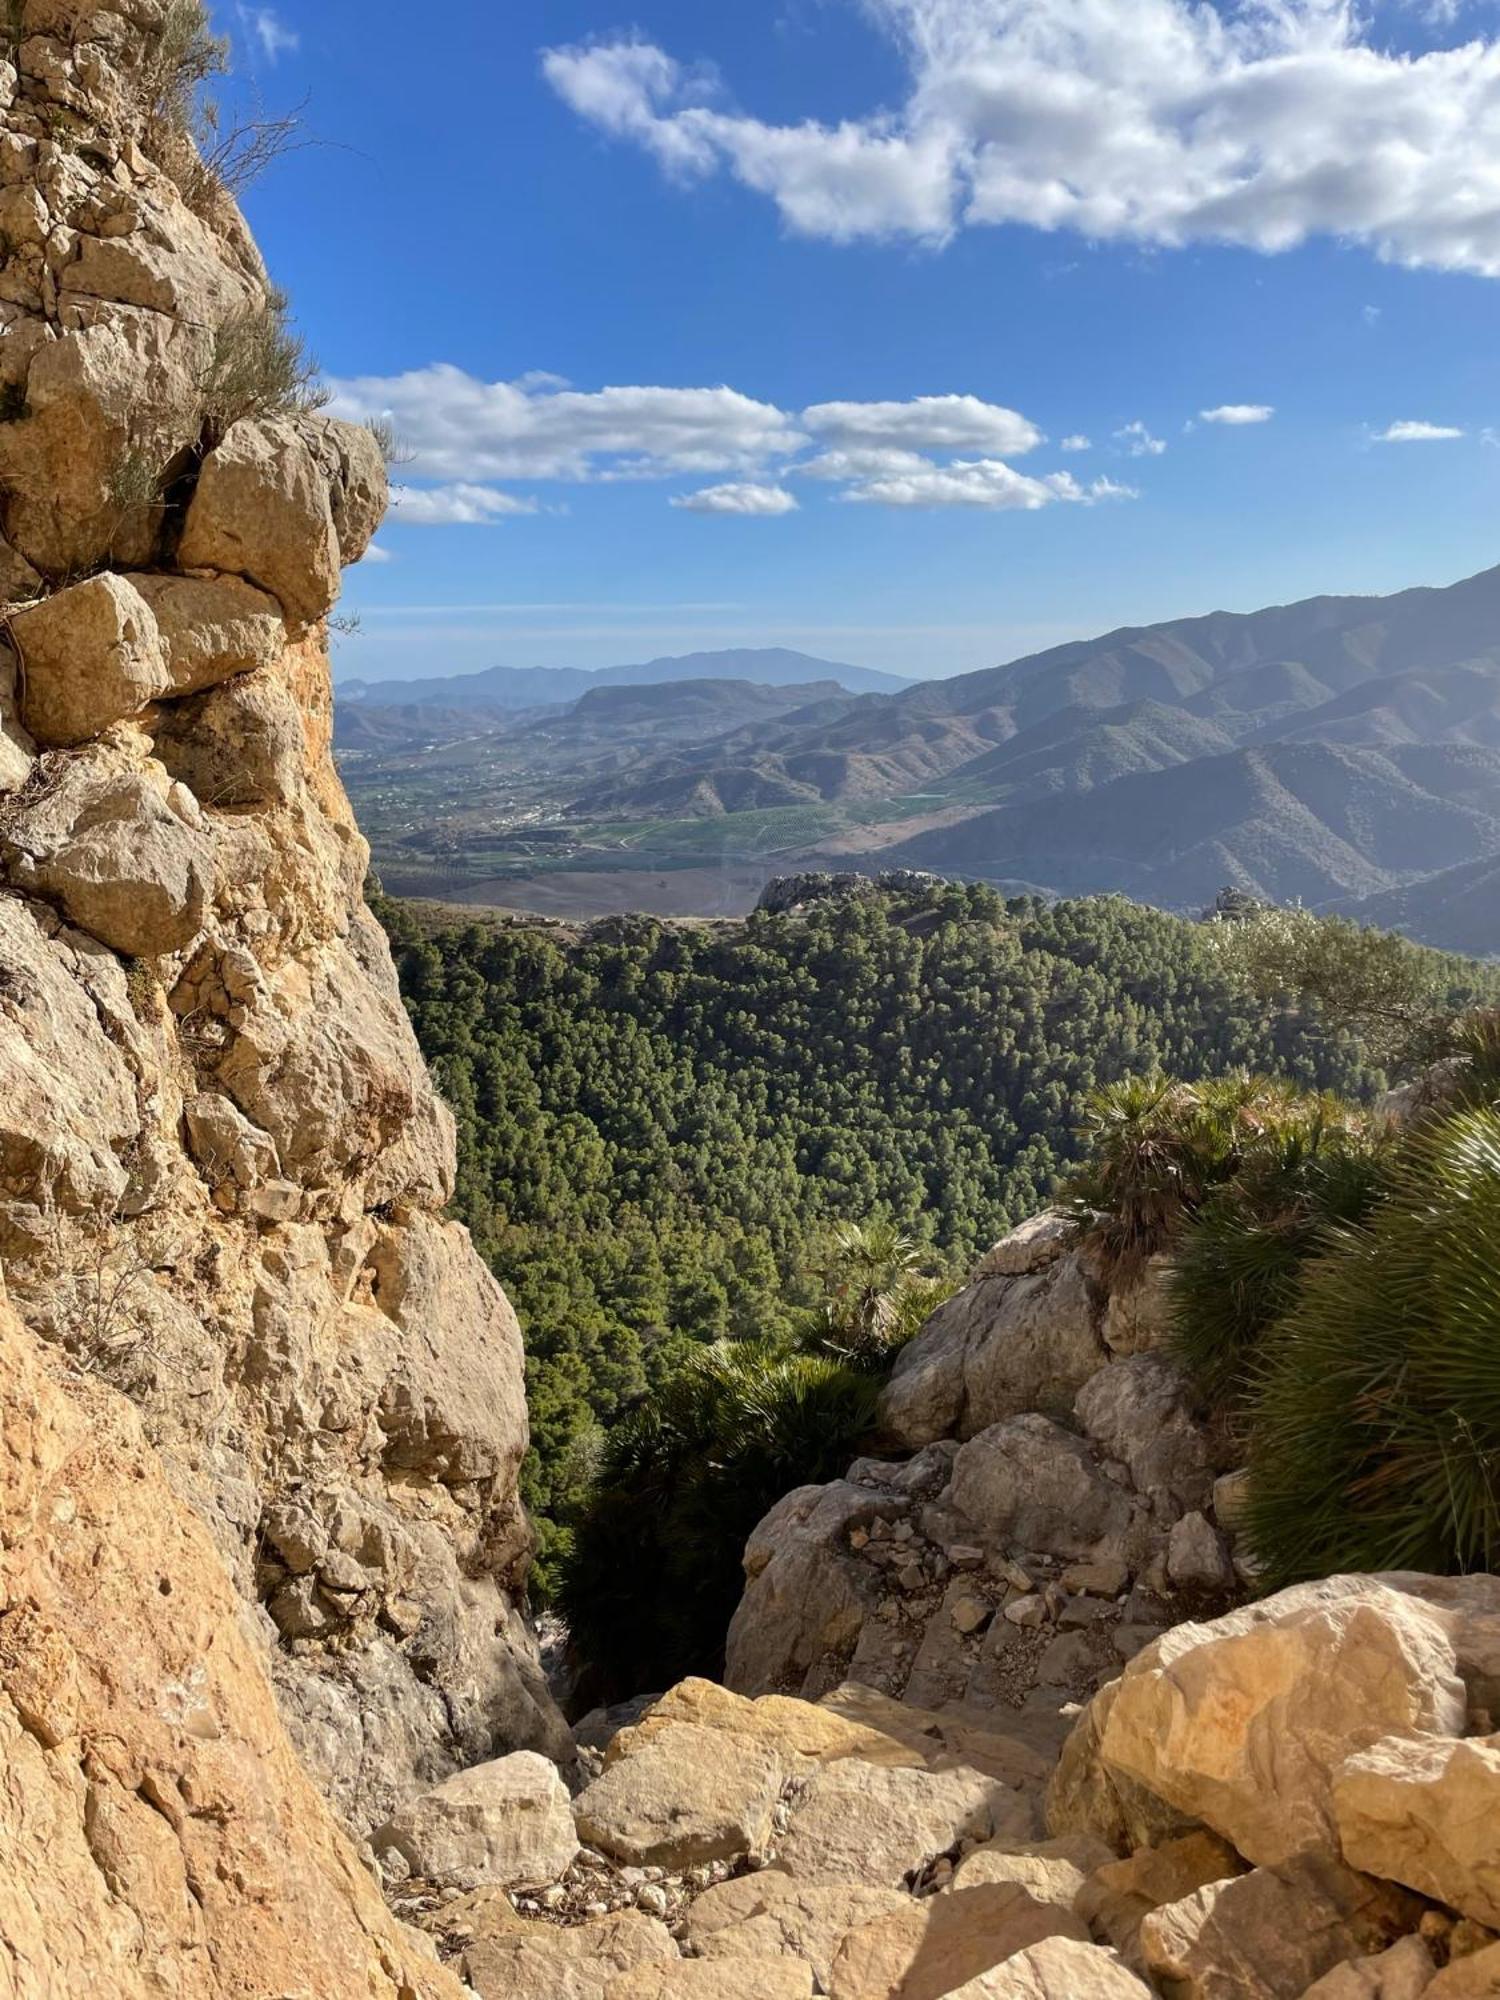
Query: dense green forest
{"type": "Point", "coordinates": [661, 1124]}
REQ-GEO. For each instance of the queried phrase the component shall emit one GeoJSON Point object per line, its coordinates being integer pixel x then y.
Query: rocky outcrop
{"type": "Point", "coordinates": [1055, 1506]}
{"type": "Point", "coordinates": [222, 1167]}
{"type": "Point", "coordinates": [157, 1832]}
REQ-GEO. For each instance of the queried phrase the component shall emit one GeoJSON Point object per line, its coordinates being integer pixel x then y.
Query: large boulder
{"type": "Point", "coordinates": [509, 1821]}
{"type": "Point", "coordinates": [1426, 1811]}
{"type": "Point", "coordinates": [1001, 1346]}
{"type": "Point", "coordinates": [261, 510]}
{"type": "Point", "coordinates": [1140, 1412]}
{"type": "Point", "coordinates": [1245, 1722]}
{"type": "Point", "coordinates": [1271, 1933]}
{"type": "Point", "coordinates": [933, 1946]}
{"type": "Point", "coordinates": [211, 627]}
{"type": "Point", "coordinates": [712, 1979]}
{"type": "Point", "coordinates": [686, 1794]}
{"type": "Point", "coordinates": [1058, 1968]}
{"type": "Point", "coordinates": [573, 1963]}
{"type": "Point", "coordinates": [770, 1913]}
{"type": "Point", "coordinates": [1030, 1482]}
{"type": "Point", "coordinates": [857, 1822]}
{"type": "Point", "coordinates": [119, 847]}
{"type": "Point", "coordinates": [91, 655]}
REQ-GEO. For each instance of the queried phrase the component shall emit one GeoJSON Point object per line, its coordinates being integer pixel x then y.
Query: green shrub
{"type": "Point", "coordinates": [1157, 1149]}
{"type": "Point", "coordinates": [1376, 1422]}
{"type": "Point", "coordinates": [876, 1296]}
{"type": "Point", "coordinates": [1238, 1260]}
{"type": "Point", "coordinates": [653, 1575]}
{"type": "Point", "coordinates": [258, 367]}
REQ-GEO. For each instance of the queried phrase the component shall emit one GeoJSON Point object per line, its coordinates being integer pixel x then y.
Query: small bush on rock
{"type": "Point", "coordinates": [259, 368]}
{"type": "Point", "coordinates": [1376, 1424]}
{"type": "Point", "coordinates": [654, 1572]}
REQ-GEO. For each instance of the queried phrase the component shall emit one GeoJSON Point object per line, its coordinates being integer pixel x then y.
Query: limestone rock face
{"type": "Point", "coordinates": [157, 1833]}
{"type": "Point", "coordinates": [222, 1165]}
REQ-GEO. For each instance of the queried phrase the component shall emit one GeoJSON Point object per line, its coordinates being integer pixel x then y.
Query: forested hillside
{"type": "Point", "coordinates": [660, 1124]}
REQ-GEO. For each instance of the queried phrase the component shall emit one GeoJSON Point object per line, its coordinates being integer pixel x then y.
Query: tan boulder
{"type": "Point", "coordinates": [261, 510]}
{"type": "Point", "coordinates": [1120, 1895]}
{"type": "Point", "coordinates": [353, 465]}
{"type": "Point", "coordinates": [1030, 1247]}
{"type": "Point", "coordinates": [1057, 1968]}
{"type": "Point", "coordinates": [761, 1915]}
{"type": "Point", "coordinates": [575, 1963]}
{"type": "Point", "coordinates": [1426, 1812]}
{"type": "Point", "coordinates": [90, 655]}
{"type": "Point", "coordinates": [1475, 1978]}
{"type": "Point", "coordinates": [933, 1946]}
{"type": "Point", "coordinates": [940, 1737]}
{"type": "Point", "coordinates": [857, 1822]}
{"type": "Point", "coordinates": [1245, 1721]}
{"type": "Point", "coordinates": [1271, 1933]}
{"type": "Point", "coordinates": [509, 1821]}
{"type": "Point", "coordinates": [105, 402]}
{"type": "Point", "coordinates": [122, 849]}
{"type": "Point", "coordinates": [687, 1794]}
{"type": "Point", "coordinates": [715, 1979]}
{"type": "Point", "coordinates": [1402, 1973]}
{"type": "Point", "coordinates": [1086, 1796]}
{"type": "Point", "coordinates": [1053, 1871]}
{"type": "Point", "coordinates": [211, 627]}
{"type": "Point", "coordinates": [794, 1728]}
{"type": "Point", "coordinates": [1030, 1482]}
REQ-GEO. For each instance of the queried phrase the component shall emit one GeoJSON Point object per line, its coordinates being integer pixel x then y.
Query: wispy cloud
{"type": "Point", "coordinates": [264, 28]}
{"type": "Point", "coordinates": [1164, 122]}
{"type": "Point", "coordinates": [1239, 413]}
{"type": "Point", "coordinates": [1076, 441]}
{"type": "Point", "coordinates": [988, 483]}
{"type": "Point", "coordinates": [1413, 430]}
{"type": "Point", "coordinates": [741, 498]}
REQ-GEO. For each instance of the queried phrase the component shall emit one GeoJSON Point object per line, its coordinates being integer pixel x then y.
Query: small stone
{"type": "Point", "coordinates": [1103, 1577]}
{"type": "Point", "coordinates": [971, 1614]}
{"type": "Point", "coordinates": [652, 1898]}
{"type": "Point", "coordinates": [1196, 1556]}
{"type": "Point", "coordinates": [965, 1555]}
{"type": "Point", "coordinates": [1026, 1611]}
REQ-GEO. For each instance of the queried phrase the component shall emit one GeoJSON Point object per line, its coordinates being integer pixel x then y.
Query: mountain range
{"type": "Point", "coordinates": [506, 688]}
{"type": "Point", "coordinates": [1343, 752]}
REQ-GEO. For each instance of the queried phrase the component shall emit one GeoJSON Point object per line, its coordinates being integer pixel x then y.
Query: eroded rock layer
{"type": "Point", "coordinates": [222, 1166]}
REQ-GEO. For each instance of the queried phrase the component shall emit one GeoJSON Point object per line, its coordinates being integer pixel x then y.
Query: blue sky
{"type": "Point", "coordinates": [908, 253]}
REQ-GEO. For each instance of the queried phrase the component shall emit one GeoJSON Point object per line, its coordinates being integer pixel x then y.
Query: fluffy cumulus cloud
{"type": "Point", "coordinates": [460, 434]}
{"type": "Point", "coordinates": [1239, 413]}
{"type": "Point", "coordinates": [984, 482]}
{"type": "Point", "coordinates": [461, 504]}
{"type": "Point", "coordinates": [741, 497]}
{"type": "Point", "coordinates": [458, 427]}
{"type": "Point", "coordinates": [1167, 122]}
{"type": "Point", "coordinates": [1412, 430]}
{"type": "Point", "coordinates": [1136, 439]}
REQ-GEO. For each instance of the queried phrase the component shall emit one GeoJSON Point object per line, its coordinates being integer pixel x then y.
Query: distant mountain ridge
{"type": "Point", "coordinates": [535, 687]}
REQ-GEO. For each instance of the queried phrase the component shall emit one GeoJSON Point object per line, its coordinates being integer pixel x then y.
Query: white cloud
{"type": "Point", "coordinates": [458, 427]}
{"type": "Point", "coordinates": [1156, 121]}
{"type": "Point", "coordinates": [377, 553]}
{"type": "Point", "coordinates": [985, 482]}
{"type": "Point", "coordinates": [1370, 315]}
{"type": "Point", "coordinates": [1137, 440]}
{"type": "Point", "coordinates": [743, 498]}
{"type": "Point", "coordinates": [1076, 441]}
{"type": "Point", "coordinates": [1239, 413]}
{"type": "Point", "coordinates": [266, 28]}
{"type": "Point", "coordinates": [1411, 430]}
{"type": "Point", "coordinates": [459, 504]}
{"type": "Point", "coordinates": [932, 423]}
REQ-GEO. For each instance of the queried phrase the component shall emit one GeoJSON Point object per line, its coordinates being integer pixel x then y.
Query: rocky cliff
{"type": "Point", "coordinates": [222, 1167]}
